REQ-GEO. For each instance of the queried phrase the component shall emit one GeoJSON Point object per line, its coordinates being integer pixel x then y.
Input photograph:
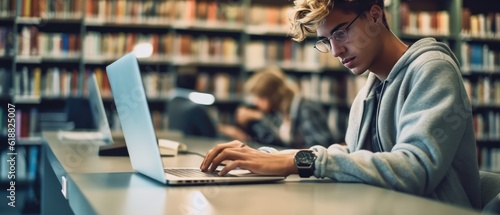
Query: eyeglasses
{"type": "Point", "coordinates": [324, 45]}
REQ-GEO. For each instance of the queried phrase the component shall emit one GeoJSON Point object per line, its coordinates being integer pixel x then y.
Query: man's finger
{"type": "Point", "coordinates": [227, 154]}
{"type": "Point", "coordinates": [233, 165]}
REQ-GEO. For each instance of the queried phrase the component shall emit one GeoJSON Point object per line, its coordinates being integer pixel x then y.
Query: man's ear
{"type": "Point", "coordinates": [376, 13]}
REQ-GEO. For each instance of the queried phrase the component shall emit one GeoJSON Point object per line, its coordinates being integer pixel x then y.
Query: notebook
{"type": "Point", "coordinates": [135, 118]}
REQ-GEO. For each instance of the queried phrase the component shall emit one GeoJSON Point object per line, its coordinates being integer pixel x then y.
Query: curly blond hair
{"type": "Point", "coordinates": [308, 15]}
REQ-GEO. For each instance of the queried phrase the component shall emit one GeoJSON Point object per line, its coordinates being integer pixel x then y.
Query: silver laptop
{"type": "Point", "coordinates": [133, 111]}
{"type": "Point", "coordinates": [103, 132]}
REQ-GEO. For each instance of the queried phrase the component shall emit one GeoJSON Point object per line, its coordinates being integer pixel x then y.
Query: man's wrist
{"type": "Point", "coordinates": [292, 168]}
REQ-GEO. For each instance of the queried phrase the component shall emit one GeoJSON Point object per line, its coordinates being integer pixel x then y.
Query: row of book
{"type": "Point", "coordinates": [176, 47]}
{"type": "Point", "coordinates": [483, 90]}
{"type": "Point", "coordinates": [26, 123]}
{"type": "Point", "coordinates": [6, 41]}
{"type": "Point", "coordinates": [27, 164]}
{"type": "Point", "coordinates": [32, 120]}
{"type": "Point", "coordinates": [479, 57]}
{"type": "Point", "coordinates": [329, 89]}
{"type": "Point", "coordinates": [55, 45]}
{"type": "Point", "coordinates": [7, 8]}
{"type": "Point", "coordinates": [187, 12]}
{"type": "Point", "coordinates": [162, 12]}
{"type": "Point", "coordinates": [268, 19]}
{"type": "Point", "coordinates": [5, 81]}
{"type": "Point", "coordinates": [287, 54]}
{"type": "Point", "coordinates": [53, 82]}
{"type": "Point", "coordinates": [487, 125]}
{"type": "Point", "coordinates": [480, 25]}
{"type": "Point", "coordinates": [489, 159]}
{"type": "Point", "coordinates": [157, 85]}
{"type": "Point", "coordinates": [424, 22]}
{"type": "Point", "coordinates": [58, 9]}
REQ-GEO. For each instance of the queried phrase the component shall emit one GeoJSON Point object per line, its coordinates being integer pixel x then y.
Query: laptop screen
{"type": "Point", "coordinates": [97, 108]}
{"type": "Point", "coordinates": [135, 118]}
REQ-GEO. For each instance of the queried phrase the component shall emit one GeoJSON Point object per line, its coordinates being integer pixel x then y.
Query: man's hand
{"type": "Point", "coordinates": [238, 155]}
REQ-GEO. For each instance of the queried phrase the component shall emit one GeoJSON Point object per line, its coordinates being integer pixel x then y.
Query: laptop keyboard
{"type": "Point", "coordinates": [194, 173]}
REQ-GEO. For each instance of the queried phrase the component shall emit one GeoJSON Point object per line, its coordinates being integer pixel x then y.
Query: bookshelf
{"type": "Point", "coordinates": [48, 47]}
{"type": "Point", "coordinates": [474, 36]}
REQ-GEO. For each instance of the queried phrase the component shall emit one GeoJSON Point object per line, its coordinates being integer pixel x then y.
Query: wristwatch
{"type": "Point", "coordinates": [304, 160]}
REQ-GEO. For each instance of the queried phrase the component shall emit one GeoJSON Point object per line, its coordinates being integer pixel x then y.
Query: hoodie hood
{"type": "Point", "coordinates": [418, 48]}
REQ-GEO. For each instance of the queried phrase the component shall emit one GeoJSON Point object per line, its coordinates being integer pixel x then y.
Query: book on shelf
{"type": "Point", "coordinates": [222, 85]}
{"type": "Point", "coordinates": [489, 159]}
{"type": "Point", "coordinates": [180, 13]}
{"type": "Point", "coordinates": [268, 19]}
{"type": "Point", "coordinates": [479, 57]}
{"type": "Point", "coordinates": [487, 126]}
{"type": "Point", "coordinates": [5, 82]}
{"type": "Point", "coordinates": [483, 91]}
{"type": "Point", "coordinates": [109, 46]}
{"type": "Point", "coordinates": [7, 8]}
{"type": "Point", "coordinates": [48, 45]}
{"type": "Point", "coordinates": [288, 55]}
{"type": "Point", "coordinates": [424, 22]}
{"type": "Point", "coordinates": [6, 41]}
{"type": "Point", "coordinates": [53, 83]}
{"type": "Point", "coordinates": [55, 9]}
{"type": "Point", "coordinates": [3, 122]}
{"type": "Point", "coordinates": [26, 166]}
{"type": "Point", "coordinates": [481, 25]}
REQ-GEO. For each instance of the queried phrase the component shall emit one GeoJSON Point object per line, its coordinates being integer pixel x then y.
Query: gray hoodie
{"type": "Point", "coordinates": [425, 129]}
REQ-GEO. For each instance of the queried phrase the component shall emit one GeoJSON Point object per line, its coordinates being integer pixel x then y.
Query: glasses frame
{"type": "Point", "coordinates": [326, 41]}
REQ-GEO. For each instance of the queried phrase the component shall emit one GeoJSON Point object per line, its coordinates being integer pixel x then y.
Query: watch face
{"type": "Point", "coordinates": [305, 158]}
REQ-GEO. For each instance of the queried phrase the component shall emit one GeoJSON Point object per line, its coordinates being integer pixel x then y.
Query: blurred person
{"type": "Point", "coordinates": [277, 115]}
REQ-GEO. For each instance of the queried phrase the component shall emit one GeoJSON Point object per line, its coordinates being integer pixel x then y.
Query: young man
{"type": "Point", "coordinates": [410, 127]}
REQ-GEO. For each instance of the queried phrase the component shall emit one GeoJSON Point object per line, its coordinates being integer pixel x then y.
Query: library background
{"type": "Point", "coordinates": [48, 47]}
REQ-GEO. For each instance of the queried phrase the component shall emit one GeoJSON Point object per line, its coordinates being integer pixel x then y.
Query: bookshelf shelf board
{"type": "Point", "coordinates": [46, 59]}
{"type": "Point", "coordinates": [61, 21]}
{"type": "Point", "coordinates": [73, 59]}
{"type": "Point", "coordinates": [99, 60]}
{"type": "Point", "coordinates": [156, 99]}
{"type": "Point", "coordinates": [481, 39]}
{"type": "Point", "coordinates": [26, 99]}
{"type": "Point", "coordinates": [300, 68]}
{"type": "Point", "coordinates": [476, 73]}
{"type": "Point", "coordinates": [5, 98]}
{"type": "Point", "coordinates": [418, 36]}
{"type": "Point", "coordinates": [36, 140]}
{"type": "Point", "coordinates": [142, 61]}
{"type": "Point", "coordinates": [155, 60]}
{"type": "Point", "coordinates": [207, 26]}
{"type": "Point", "coordinates": [6, 58]}
{"type": "Point", "coordinates": [28, 20]}
{"type": "Point", "coordinates": [267, 30]}
{"type": "Point", "coordinates": [7, 19]}
{"type": "Point", "coordinates": [28, 59]}
{"type": "Point", "coordinates": [190, 61]}
{"type": "Point", "coordinates": [485, 107]}
{"type": "Point", "coordinates": [488, 143]}
{"type": "Point", "coordinates": [104, 24]}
